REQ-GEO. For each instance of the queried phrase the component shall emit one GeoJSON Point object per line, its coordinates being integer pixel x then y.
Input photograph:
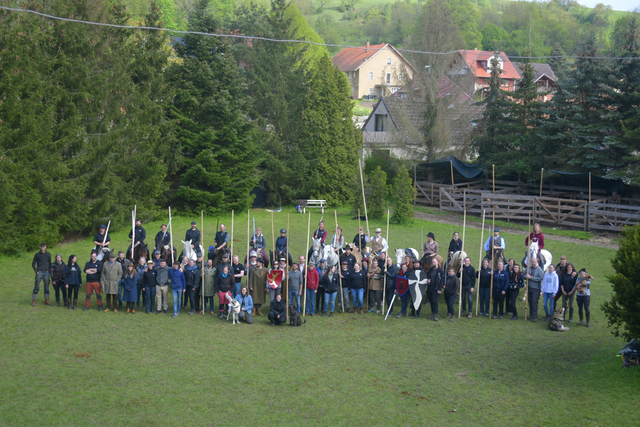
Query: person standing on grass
{"type": "Point", "coordinates": [121, 261]}
{"type": "Point", "coordinates": [238, 274]}
{"type": "Point", "coordinates": [246, 305]}
{"type": "Point", "coordinates": [500, 285]}
{"type": "Point", "coordinates": [549, 290]}
{"type": "Point", "coordinates": [258, 284]}
{"type": "Point", "coordinates": [209, 273]}
{"type": "Point", "coordinates": [224, 286]}
{"type": "Point", "coordinates": [568, 289]}
{"type": "Point", "coordinates": [149, 283]}
{"type": "Point", "coordinates": [130, 282]}
{"type": "Point", "coordinates": [312, 288]}
{"type": "Point", "coordinates": [277, 311]}
{"type": "Point", "coordinates": [162, 287]}
{"type": "Point", "coordinates": [450, 292]}
{"type": "Point", "coordinates": [390, 273]}
{"type": "Point", "coordinates": [484, 276]}
{"type": "Point", "coordinates": [357, 283]}
{"type": "Point", "coordinates": [344, 276]}
{"type": "Point", "coordinates": [583, 292]}
{"type": "Point", "coordinates": [295, 286]}
{"type": "Point", "coordinates": [376, 281]}
{"type": "Point", "coordinates": [406, 298]}
{"type": "Point", "coordinates": [93, 270]}
{"type": "Point", "coordinates": [41, 264]}
{"type": "Point", "coordinates": [57, 277]}
{"type": "Point", "coordinates": [192, 278]}
{"type": "Point", "coordinates": [322, 270]}
{"type": "Point", "coordinates": [516, 282]}
{"type": "Point", "coordinates": [141, 268]}
{"type": "Point", "coordinates": [468, 278]}
{"type": "Point", "coordinates": [331, 285]}
{"type": "Point", "coordinates": [507, 296]}
{"type": "Point", "coordinates": [435, 285]}
{"type": "Point", "coordinates": [561, 268]}
{"type": "Point", "coordinates": [73, 280]}
{"type": "Point", "coordinates": [110, 281]}
{"type": "Point", "coordinates": [534, 275]}
{"type": "Point", "coordinates": [178, 286]}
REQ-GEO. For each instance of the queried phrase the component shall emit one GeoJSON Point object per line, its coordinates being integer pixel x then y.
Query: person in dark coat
{"type": "Point", "coordinates": [390, 275]}
{"type": "Point", "coordinates": [130, 283]}
{"type": "Point", "coordinates": [406, 298]}
{"type": "Point", "coordinates": [73, 280]}
{"type": "Point", "coordinates": [41, 264]}
{"type": "Point", "coordinates": [435, 280]}
{"type": "Point", "coordinates": [454, 246]}
{"type": "Point", "coordinates": [57, 278]}
{"type": "Point", "coordinates": [224, 285]}
{"type": "Point", "coordinates": [140, 235]}
{"type": "Point", "coordinates": [500, 285]}
{"type": "Point", "coordinates": [516, 281]}
{"type": "Point", "coordinates": [149, 283]}
{"type": "Point", "coordinates": [348, 257]}
{"type": "Point", "coordinates": [192, 279]}
{"type": "Point", "coordinates": [468, 278]}
{"type": "Point", "coordinates": [163, 239]}
{"type": "Point", "coordinates": [331, 284]}
{"type": "Point", "coordinates": [450, 291]}
{"type": "Point", "coordinates": [357, 283]}
{"type": "Point", "coordinates": [193, 234]}
{"type": "Point", "coordinates": [277, 311]}
{"type": "Point", "coordinates": [484, 276]}
{"type": "Point", "coordinates": [345, 279]}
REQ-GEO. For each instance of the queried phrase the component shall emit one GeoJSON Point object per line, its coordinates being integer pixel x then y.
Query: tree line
{"type": "Point", "coordinates": [94, 120]}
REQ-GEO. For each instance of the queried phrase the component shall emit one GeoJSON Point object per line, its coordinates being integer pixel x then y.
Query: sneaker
{"type": "Point", "coordinates": [115, 310]}
{"type": "Point", "coordinates": [494, 317]}
{"type": "Point", "coordinates": [106, 310]}
{"type": "Point", "coordinates": [165, 312]}
{"type": "Point", "coordinates": [85, 309]}
{"type": "Point", "coordinates": [435, 318]}
{"type": "Point", "coordinates": [451, 319]}
{"type": "Point", "coordinates": [377, 311]}
{"type": "Point", "coordinates": [400, 315]}
{"type": "Point", "coordinates": [534, 320]}
{"type": "Point", "coordinates": [175, 315]}
{"type": "Point", "coordinates": [371, 310]}
{"type": "Point", "coordinates": [191, 312]}
{"type": "Point", "coordinates": [481, 314]}
{"type": "Point", "coordinates": [514, 318]}
{"type": "Point", "coordinates": [486, 314]}
{"type": "Point", "coordinates": [469, 316]}
{"type": "Point", "coordinates": [499, 317]}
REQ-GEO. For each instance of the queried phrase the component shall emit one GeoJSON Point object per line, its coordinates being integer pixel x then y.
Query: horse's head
{"type": "Point", "coordinates": [534, 249]}
{"type": "Point", "coordinates": [399, 256]}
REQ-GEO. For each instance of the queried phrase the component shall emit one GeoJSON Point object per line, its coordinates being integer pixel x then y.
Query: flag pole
{"type": "Point", "coordinates": [203, 246]}
{"type": "Point", "coordinates": [464, 229]}
{"type": "Point", "coordinates": [384, 283]}
{"type": "Point", "coordinates": [480, 263]}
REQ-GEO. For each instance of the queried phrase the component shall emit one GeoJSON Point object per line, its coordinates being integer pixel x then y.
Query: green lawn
{"type": "Point", "coordinates": [89, 368]}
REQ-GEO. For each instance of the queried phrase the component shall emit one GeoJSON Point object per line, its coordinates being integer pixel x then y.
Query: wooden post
{"type": "Point", "coordinates": [203, 263]}
{"type": "Point", "coordinates": [364, 200]}
{"type": "Point", "coordinates": [304, 273]}
{"type": "Point", "coordinates": [335, 214]}
{"type": "Point", "coordinates": [464, 229]}
{"type": "Point", "coordinates": [384, 283]}
{"type": "Point", "coordinates": [480, 257]}
{"type": "Point", "coordinates": [171, 237]}
{"type": "Point", "coordinates": [453, 184]}
{"type": "Point", "coordinates": [286, 276]}
{"type": "Point", "coordinates": [493, 258]}
{"type": "Point", "coordinates": [589, 187]}
{"type": "Point", "coordinates": [541, 178]}
{"type": "Point", "coordinates": [360, 242]}
{"type": "Point", "coordinates": [526, 288]}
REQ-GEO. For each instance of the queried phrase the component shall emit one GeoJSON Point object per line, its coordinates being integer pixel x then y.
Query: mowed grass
{"type": "Point", "coordinates": [89, 368]}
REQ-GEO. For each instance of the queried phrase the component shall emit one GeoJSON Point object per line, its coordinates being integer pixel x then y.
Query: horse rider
{"type": "Point", "coordinates": [337, 241]}
{"type": "Point", "coordinates": [99, 241]}
{"type": "Point", "coordinates": [258, 241]}
{"type": "Point", "coordinates": [536, 236]}
{"type": "Point", "coordinates": [320, 233]}
{"type": "Point", "coordinates": [140, 235]}
{"type": "Point", "coordinates": [454, 246]}
{"type": "Point", "coordinates": [163, 239]}
{"type": "Point", "coordinates": [193, 234]}
{"type": "Point", "coordinates": [378, 243]}
{"type": "Point", "coordinates": [282, 245]}
{"type": "Point", "coordinates": [495, 243]}
{"type": "Point", "coordinates": [430, 248]}
{"type": "Point", "coordinates": [222, 238]}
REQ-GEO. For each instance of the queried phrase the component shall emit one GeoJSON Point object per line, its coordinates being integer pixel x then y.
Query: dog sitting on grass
{"type": "Point", "coordinates": [555, 324]}
{"type": "Point", "coordinates": [234, 309]}
{"type": "Point", "coordinates": [294, 317]}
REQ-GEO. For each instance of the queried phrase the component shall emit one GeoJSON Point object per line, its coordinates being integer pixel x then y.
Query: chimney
{"type": "Point", "coordinates": [475, 49]}
{"type": "Point", "coordinates": [367, 48]}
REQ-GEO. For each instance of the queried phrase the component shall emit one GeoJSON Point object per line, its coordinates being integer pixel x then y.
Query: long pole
{"type": "Point", "coordinates": [203, 245]}
{"type": "Point", "coordinates": [335, 214]}
{"type": "Point", "coordinates": [360, 247]}
{"type": "Point", "coordinates": [364, 201]}
{"type": "Point", "coordinates": [422, 238]}
{"type": "Point", "coordinates": [464, 229]}
{"type": "Point", "coordinates": [304, 273]}
{"type": "Point", "coordinates": [133, 230]}
{"type": "Point", "coordinates": [273, 240]}
{"type": "Point", "coordinates": [286, 288]}
{"type": "Point", "coordinates": [480, 263]}
{"type": "Point", "coordinates": [384, 289]}
{"type": "Point", "coordinates": [493, 256]}
{"type": "Point", "coordinates": [171, 236]}
{"type": "Point", "coordinates": [541, 177]}
{"type": "Point", "coordinates": [232, 218]}
{"type": "Point", "coordinates": [453, 184]}
{"type": "Point", "coordinates": [589, 187]}
{"type": "Point", "coordinates": [526, 289]}
{"type": "Point", "coordinates": [493, 167]}
{"type": "Point", "coordinates": [248, 266]}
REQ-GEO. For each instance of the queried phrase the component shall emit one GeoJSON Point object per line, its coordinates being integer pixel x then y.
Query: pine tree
{"type": "Point", "coordinates": [403, 193]}
{"type": "Point", "coordinates": [558, 64]}
{"type": "Point", "coordinates": [377, 201]}
{"type": "Point", "coordinates": [218, 140]}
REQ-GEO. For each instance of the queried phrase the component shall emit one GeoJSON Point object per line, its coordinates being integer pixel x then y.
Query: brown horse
{"type": "Point", "coordinates": [426, 261]}
{"type": "Point", "coordinates": [140, 251]}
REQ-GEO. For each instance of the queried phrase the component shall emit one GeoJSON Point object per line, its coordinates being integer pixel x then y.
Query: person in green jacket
{"type": "Point", "coordinates": [209, 273]}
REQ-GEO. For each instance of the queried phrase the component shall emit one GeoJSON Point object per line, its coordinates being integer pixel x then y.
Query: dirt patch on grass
{"type": "Point", "coordinates": [602, 240]}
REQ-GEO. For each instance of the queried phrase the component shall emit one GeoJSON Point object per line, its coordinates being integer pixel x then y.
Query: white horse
{"type": "Point", "coordinates": [456, 260]}
{"type": "Point", "coordinates": [188, 251]}
{"type": "Point", "coordinates": [546, 256]}
{"type": "Point", "coordinates": [401, 253]}
{"type": "Point", "coordinates": [319, 252]}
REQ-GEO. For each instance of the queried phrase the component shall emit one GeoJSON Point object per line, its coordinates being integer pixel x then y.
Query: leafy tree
{"type": "Point", "coordinates": [219, 141]}
{"type": "Point", "coordinates": [377, 201]}
{"type": "Point", "coordinates": [621, 310]}
{"type": "Point", "coordinates": [403, 193]}
{"type": "Point", "coordinates": [494, 38]}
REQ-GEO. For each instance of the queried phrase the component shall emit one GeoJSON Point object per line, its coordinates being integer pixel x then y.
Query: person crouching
{"type": "Point", "coordinates": [277, 314]}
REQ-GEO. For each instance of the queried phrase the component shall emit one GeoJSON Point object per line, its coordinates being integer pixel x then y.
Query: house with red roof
{"type": "Point", "coordinates": [477, 63]}
{"type": "Point", "coordinates": [373, 70]}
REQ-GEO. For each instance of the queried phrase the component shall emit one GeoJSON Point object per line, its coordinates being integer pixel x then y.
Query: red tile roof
{"type": "Point", "coordinates": [472, 57]}
{"type": "Point", "coordinates": [352, 58]}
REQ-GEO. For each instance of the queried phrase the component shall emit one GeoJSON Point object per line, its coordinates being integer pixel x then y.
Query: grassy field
{"type": "Point", "coordinates": [91, 368]}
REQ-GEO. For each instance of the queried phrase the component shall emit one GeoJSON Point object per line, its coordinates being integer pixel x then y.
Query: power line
{"type": "Point", "coordinates": [241, 36]}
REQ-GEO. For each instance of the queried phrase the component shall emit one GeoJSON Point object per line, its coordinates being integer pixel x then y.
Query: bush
{"type": "Point", "coordinates": [403, 193]}
{"type": "Point", "coordinates": [377, 201]}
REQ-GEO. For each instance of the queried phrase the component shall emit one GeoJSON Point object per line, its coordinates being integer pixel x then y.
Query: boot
{"type": "Point", "coordinates": [46, 302]}
{"type": "Point", "coordinates": [57, 303]}
{"type": "Point", "coordinates": [33, 300]}
{"type": "Point", "coordinates": [69, 304]}
{"type": "Point", "coordinates": [469, 316]}
{"type": "Point", "coordinates": [588, 319]}
{"type": "Point", "coordinates": [435, 318]}
{"type": "Point", "coordinates": [65, 303]}
{"type": "Point", "coordinates": [75, 303]}
{"type": "Point", "coordinates": [260, 312]}
{"type": "Point", "coordinates": [571, 315]}
{"type": "Point", "coordinates": [581, 321]}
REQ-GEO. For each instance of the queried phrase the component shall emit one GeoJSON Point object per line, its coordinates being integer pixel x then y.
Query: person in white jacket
{"type": "Point", "coordinates": [549, 289]}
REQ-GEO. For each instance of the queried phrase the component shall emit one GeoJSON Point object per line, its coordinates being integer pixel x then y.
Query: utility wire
{"type": "Point", "coordinates": [241, 36]}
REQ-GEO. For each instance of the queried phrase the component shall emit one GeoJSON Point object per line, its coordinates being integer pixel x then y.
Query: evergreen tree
{"type": "Point", "coordinates": [219, 145]}
{"type": "Point", "coordinates": [403, 193]}
{"type": "Point", "coordinates": [377, 199]}
{"type": "Point", "coordinates": [557, 64]}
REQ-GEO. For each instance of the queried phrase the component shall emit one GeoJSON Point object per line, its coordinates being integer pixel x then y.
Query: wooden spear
{"type": "Point", "coordinates": [541, 177]}
{"type": "Point", "coordinates": [526, 289]}
{"type": "Point", "coordinates": [304, 273]}
{"type": "Point", "coordinates": [203, 263]}
{"type": "Point", "coordinates": [493, 258]}
{"type": "Point", "coordinates": [453, 184]}
{"type": "Point", "coordinates": [360, 247]}
{"type": "Point", "coordinates": [335, 214]}
{"type": "Point", "coordinates": [480, 263]}
{"type": "Point", "coordinates": [364, 201]}
{"type": "Point", "coordinates": [248, 264]}
{"type": "Point", "coordinates": [273, 240]}
{"type": "Point", "coordinates": [171, 236]}
{"type": "Point", "coordinates": [286, 263]}
{"type": "Point", "coordinates": [384, 283]}
{"type": "Point", "coordinates": [464, 229]}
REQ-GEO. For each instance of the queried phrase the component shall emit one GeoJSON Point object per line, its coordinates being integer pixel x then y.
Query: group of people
{"type": "Point", "coordinates": [195, 284]}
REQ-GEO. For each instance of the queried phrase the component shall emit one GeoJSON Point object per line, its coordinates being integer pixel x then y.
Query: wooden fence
{"type": "Point", "coordinates": [600, 214]}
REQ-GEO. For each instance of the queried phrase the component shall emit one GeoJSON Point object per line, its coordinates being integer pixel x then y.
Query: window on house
{"type": "Point", "coordinates": [400, 77]}
{"type": "Point", "coordinates": [381, 122]}
{"type": "Point", "coordinates": [370, 90]}
{"type": "Point", "coordinates": [388, 61]}
{"type": "Point", "coordinates": [388, 78]}
{"type": "Point", "coordinates": [370, 75]}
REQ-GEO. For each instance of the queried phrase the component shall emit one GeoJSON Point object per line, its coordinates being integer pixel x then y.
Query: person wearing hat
{"type": "Point", "coordinates": [495, 243]}
{"type": "Point", "coordinates": [361, 239]}
{"type": "Point", "coordinates": [110, 280]}
{"type": "Point", "coordinates": [99, 239]}
{"type": "Point", "coordinates": [295, 286]}
{"type": "Point", "coordinates": [257, 281]}
{"type": "Point", "coordinates": [320, 232]}
{"type": "Point", "coordinates": [193, 234]}
{"type": "Point", "coordinates": [163, 239]}
{"type": "Point", "coordinates": [41, 264]}
{"type": "Point", "coordinates": [321, 269]}
{"type": "Point", "coordinates": [149, 283]}
{"type": "Point", "coordinates": [348, 257]}
{"type": "Point", "coordinates": [282, 244]}
{"type": "Point", "coordinates": [156, 258]}
{"type": "Point", "coordinates": [93, 269]}
{"type": "Point", "coordinates": [121, 259]}
{"type": "Point", "coordinates": [130, 295]}
{"type": "Point", "coordinates": [138, 234]}
{"type": "Point", "coordinates": [345, 279]}
{"type": "Point", "coordinates": [378, 243]}
{"type": "Point", "coordinates": [312, 288]}
{"type": "Point", "coordinates": [258, 241]}
{"type": "Point", "coordinates": [430, 248]}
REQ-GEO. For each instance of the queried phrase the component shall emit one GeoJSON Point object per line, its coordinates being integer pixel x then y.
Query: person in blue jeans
{"type": "Point", "coordinates": [550, 284]}
{"type": "Point", "coordinates": [178, 287]}
{"type": "Point", "coordinates": [331, 284]}
{"type": "Point", "coordinates": [358, 281]}
{"type": "Point", "coordinates": [484, 288]}
{"type": "Point", "coordinates": [295, 286]}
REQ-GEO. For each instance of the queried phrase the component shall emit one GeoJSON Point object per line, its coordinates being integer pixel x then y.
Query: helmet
{"type": "Point", "coordinates": [252, 254]}
{"type": "Point", "coordinates": [283, 230]}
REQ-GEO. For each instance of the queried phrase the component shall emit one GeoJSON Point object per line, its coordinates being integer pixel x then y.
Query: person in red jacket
{"type": "Point", "coordinates": [312, 288]}
{"type": "Point", "coordinates": [536, 236]}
